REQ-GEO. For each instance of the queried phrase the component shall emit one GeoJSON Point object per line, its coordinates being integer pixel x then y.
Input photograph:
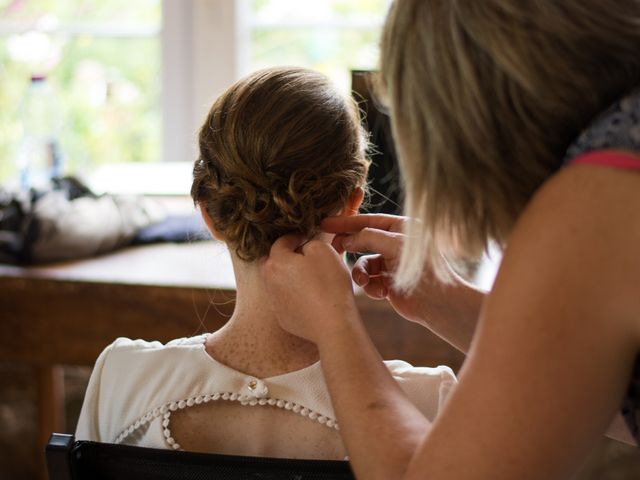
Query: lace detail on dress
{"type": "Point", "coordinates": [254, 392]}
{"type": "Point", "coordinates": [244, 399]}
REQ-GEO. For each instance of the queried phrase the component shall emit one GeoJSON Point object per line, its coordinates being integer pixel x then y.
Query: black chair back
{"type": "Point", "coordinates": [71, 460]}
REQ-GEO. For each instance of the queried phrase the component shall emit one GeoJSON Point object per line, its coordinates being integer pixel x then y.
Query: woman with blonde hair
{"type": "Point", "coordinates": [279, 151]}
{"type": "Point", "coordinates": [516, 122]}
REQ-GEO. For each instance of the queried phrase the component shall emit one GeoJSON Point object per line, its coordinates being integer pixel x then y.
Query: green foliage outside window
{"type": "Point", "coordinates": [333, 36]}
{"type": "Point", "coordinates": [102, 60]}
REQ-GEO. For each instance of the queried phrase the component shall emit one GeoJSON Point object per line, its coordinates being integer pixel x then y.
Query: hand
{"type": "Point", "coordinates": [309, 287]}
{"type": "Point", "coordinates": [382, 234]}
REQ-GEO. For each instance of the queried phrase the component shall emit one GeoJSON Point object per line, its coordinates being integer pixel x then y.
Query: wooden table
{"type": "Point", "coordinates": [65, 314]}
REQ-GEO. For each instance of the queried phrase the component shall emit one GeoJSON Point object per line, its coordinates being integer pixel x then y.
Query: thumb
{"type": "Point", "coordinates": [371, 240]}
{"type": "Point", "coordinates": [286, 244]}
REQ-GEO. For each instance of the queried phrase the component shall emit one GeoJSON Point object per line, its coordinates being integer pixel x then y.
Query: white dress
{"type": "Point", "coordinates": [136, 385]}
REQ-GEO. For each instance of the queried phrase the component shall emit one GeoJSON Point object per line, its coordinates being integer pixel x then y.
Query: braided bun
{"type": "Point", "coordinates": [279, 151]}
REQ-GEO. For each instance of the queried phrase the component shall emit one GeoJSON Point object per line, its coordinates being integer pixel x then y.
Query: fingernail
{"type": "Point", "coordinates": [360, 280]}
{"type": "Point", "coordinates": [347, 242]}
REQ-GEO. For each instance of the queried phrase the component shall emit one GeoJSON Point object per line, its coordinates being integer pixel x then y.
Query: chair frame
{"type": "Point", "coordinates": [67, 459]}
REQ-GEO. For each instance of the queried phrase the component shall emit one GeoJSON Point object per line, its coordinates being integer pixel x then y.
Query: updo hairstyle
{"type": "Point", "coordinates": [279, 151]}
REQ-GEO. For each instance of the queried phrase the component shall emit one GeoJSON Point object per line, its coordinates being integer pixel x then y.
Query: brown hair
{"type": "Point", "coordinates": [279, 151]}
{"type": "Point", "coordinates": [485, 98]}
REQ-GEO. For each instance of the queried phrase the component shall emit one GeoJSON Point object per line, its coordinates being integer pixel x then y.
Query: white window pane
{"type": "Point", "coordinates": [332, 36]}
{"type": "Point", "coordinates": [318, 11]}
{"type": "Point", "coordinates": [333, 52]}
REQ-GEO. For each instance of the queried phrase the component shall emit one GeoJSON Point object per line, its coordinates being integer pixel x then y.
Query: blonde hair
{"type": "Point", "coordinates": [484, 98]}
{"type": "Point", "coordinates": [279, 151]}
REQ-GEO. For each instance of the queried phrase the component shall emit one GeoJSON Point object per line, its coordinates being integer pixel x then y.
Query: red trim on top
{"type": "Point", "coordinates": [609, 158]}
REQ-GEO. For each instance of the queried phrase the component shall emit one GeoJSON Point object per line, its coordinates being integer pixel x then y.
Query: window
{"type": "Point", "coordinates": [332, 36]}
{"type": "Point", "coordinates": [102, 61]}
{"type": "Point", "coordinates": [133, 80]}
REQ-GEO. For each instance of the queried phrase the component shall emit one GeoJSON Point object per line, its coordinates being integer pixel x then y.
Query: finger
{"type": "Point", "coordinates": [366, 267]}
{"type": "Point", "coordinates": [376, 289]}
{"type": "Point", "coordinates": [311, 245]}
{"type": "Point", "coordinates": [371, 240]}
{"type": "Point", "coordinates": [286, 244]}
{"type": "Point", "coordinates": [355, 223]}
{"type": "Point", "coordinates": [336, 243]}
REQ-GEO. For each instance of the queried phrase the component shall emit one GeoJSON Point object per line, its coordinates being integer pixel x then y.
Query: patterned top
{"type": "Point", "coordinates": [617, 129]}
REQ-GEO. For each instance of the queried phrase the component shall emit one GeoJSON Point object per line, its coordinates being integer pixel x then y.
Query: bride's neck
{"type": "Point", "coordinates": [252, 340]}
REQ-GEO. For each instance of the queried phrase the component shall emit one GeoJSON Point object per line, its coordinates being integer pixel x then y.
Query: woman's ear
{"type": "Point", "coordinates": [354, 202]}
{"type": "Point", "coordinates": [207, 220]}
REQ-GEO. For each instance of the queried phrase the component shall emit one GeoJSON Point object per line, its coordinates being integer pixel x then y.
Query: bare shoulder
{"type": "Point", "coordinates": [583, 229]}
{"type": "Point", "coordinates": [554, 348]}
{"type": "Point", "coordinates": [588, 195]}
{"type": "Point", "coordinates": [593, 186]}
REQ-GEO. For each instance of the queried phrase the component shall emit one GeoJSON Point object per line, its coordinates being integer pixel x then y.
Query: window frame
{"type": "Point", "coordinates": [193, 33]}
